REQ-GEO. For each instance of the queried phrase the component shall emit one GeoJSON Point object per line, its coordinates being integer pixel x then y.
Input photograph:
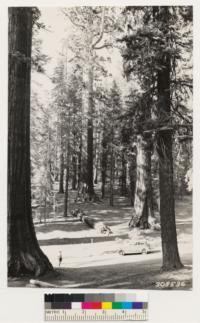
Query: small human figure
{"type": "Point", "coordinates": [59, 258]}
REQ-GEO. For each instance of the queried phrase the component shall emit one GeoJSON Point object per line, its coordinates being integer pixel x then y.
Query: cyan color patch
{"type": "Point", "coordinates": [127, 305]}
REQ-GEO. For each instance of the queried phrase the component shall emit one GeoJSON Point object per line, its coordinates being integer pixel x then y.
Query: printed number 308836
{"type": "Point", "coordinates": [173, 284]}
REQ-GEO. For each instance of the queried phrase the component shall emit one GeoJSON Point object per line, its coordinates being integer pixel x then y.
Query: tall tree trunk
{"type": "Point", "coordinates": [80, 162]}
{"type": "Point", "coordinates": [150, 191]}
{"type": "Point", "coordinates": [112, 170]}
{"type": "Point", "coordinates": [148, 204]}
{"type": "Point", "coordinates": [80, 143]}
{"type": "Point", "coordinates": [171, 257]}
{"type": "Point", "coordinates": [74, 153]}
{"type": "Point", "coordinates": [67, 170]}
{"type": "Point", "coordinates": [123, 176]}
{"type": "Point", "coordinates": [97, 156]}
{"type": "Point", "coordinates": [132, 177]}
{"type": "Point", "coordinates": [61, 178]}
{"type": "Point", "coordinates": [49, 164]}
{"type": "Point", "coordinates": [24, 254]}
{"type": "Point", "coordinates": [90, 134]}
{"type": "Point", "coordinates": [104, 159]}
{"type": "Point", "coordinates": [74, 174]}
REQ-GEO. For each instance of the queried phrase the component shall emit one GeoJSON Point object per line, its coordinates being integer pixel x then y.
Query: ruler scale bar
{"type": "Point", "coordinates": [92, 315]}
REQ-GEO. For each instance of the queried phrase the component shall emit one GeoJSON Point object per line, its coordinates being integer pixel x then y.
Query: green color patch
{"type": "Point", "coordinates": [117, 305]}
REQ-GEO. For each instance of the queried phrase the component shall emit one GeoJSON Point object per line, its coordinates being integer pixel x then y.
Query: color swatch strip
{"type": "Point", "coordinates": [96, 305]}
{"type": "Point", "coordinates": [92, 302]}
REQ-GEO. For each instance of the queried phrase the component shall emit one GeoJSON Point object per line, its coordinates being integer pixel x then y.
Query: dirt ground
{"type": "Point", "coordinates": [91, 260]}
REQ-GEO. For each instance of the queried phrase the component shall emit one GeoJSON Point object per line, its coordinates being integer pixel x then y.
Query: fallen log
{"type": "Point", "coordinates": [92, 223]}
{"type": "Point", "coordinates": [97, 225]}
{"type": "Point", "coordinates": [38, 283]}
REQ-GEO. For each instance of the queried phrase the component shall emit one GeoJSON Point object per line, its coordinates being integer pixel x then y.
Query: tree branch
{"type": "Point", "coordinates": [72, 21]}
{"type": "Point", "coordinates": [103, 46]}
{"type": "Point", "coordinates": [102, 29]}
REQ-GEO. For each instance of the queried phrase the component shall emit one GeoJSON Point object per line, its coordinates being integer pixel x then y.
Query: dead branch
{"type": "Point", "coordinates": [102, 29]}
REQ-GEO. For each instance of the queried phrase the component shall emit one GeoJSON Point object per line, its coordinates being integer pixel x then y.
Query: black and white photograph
{"type": "Point", "coordinates": [100, 147]}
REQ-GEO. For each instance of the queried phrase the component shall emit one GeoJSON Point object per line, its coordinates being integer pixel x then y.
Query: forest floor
{"type": "Point", "coordinates": [91, 260]}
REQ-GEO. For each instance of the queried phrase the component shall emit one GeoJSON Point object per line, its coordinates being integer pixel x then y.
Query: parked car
{"type": "Point", "coordinates": [135, 247]}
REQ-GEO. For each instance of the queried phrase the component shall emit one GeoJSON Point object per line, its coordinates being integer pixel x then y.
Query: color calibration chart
{"type": "Point", "coordinates": [97, 307]}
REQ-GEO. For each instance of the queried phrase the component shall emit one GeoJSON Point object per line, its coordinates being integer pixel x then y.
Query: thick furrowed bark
{"type": "Point", "coordinates": [141, 181]}
{"type": "Point", "coordinates": [24, 255]}
{"type": "Point", "coordinates": [171, 257]}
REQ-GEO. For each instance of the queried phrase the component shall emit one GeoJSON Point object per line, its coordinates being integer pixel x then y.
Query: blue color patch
{"type": "Point", "coordinates": [137, 305]}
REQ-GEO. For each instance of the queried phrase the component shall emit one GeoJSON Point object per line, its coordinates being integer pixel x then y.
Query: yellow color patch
{"type": "Point", "coordinates": [106, 305]}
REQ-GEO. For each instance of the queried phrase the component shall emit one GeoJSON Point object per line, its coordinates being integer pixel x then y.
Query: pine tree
{"type": "Point", "coordinates": [153, 51]}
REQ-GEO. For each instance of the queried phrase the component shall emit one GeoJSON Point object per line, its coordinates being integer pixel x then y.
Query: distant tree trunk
{"type": "Point", "coordinates": [132, 177]}
{"type": "Point", "coordinates": [74, 174]}
{"type": "Point", "coordinates": [74, 154]}
{"type": "Point", "coordinates": [61, 186]}
{"type": "Point", "coordinates": [104, 159]}
{"type": "Point", "coordinates": [67, 170]}
{"type": "Point", "coordinates": [24, 254]}
{"type": "Point", "coordinates": [80, 162]}
{"type": "Point", "coordinates": [171, 259]}
{"type": "Point", "coordinates": [123, 176]}
{"type": "Point", "coordinates": [97, 157]}
{"type": "Point", "coordinates": [112, 171]}
{"type": "Point", "coordinates": [66, 188]}
{"type": "Point", "coordinates": [79, 175]}
{"type": "Point", "coordinates": [112, 165]}
{"type": "Point", "coordinates": [90, 134]}
{"type": "Point", "coordinates": [49, 165]}
{"type": "Point", "coordinates": [155, 182]}
{"type": "Point", "coordinates": [150, 192]}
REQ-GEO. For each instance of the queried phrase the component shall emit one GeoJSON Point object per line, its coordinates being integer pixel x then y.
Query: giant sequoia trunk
{"type": "Point", "coordinates": [141, 189]}
{"type": "Point", "coordinates": [24, 254]}
{"type": "Point", "coordinates": [148, 204]}
{"type": "Point", "coordinates": [171, 257]}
